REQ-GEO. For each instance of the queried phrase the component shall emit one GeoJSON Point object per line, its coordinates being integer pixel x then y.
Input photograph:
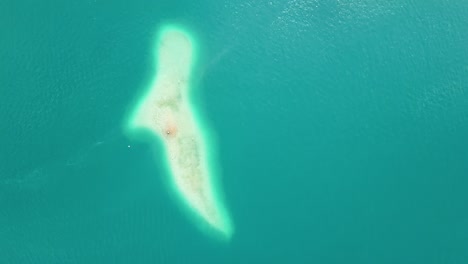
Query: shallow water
{"type": "Point", "coordinates": [341, 125]}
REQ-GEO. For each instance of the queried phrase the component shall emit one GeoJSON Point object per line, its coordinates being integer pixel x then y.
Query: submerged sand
{"type": "Point", "coordinates": [166, 112]}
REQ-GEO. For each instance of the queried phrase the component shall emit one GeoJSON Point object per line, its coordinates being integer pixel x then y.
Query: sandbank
{"type": "Point", "coordinates": [167, 112]}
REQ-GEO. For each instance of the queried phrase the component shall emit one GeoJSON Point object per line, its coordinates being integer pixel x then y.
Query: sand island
{"type": "Point", "coordinates": [166, 111]}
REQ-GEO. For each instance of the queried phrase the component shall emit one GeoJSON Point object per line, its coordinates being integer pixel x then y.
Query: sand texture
{"type": "Point", "coordinates": [166, 112]}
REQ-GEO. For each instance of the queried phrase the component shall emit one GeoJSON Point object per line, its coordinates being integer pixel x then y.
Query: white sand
{"type": "Point", "coordinates": [166, 112]}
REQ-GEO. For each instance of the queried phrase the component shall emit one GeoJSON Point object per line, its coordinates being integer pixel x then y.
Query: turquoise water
{"type": "Point", "coordinates": [342, 130]}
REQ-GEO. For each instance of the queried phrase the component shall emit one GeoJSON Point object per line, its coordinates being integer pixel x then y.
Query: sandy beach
{"type": "Point", "coordinates": [166, 112]}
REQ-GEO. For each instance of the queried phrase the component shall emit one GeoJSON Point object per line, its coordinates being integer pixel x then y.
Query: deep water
{"type": "Point", "coordinates": [342, 129]}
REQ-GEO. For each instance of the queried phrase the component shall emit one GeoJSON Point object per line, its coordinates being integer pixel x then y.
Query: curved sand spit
{"type": "Point", "coordinates": [166, 112]}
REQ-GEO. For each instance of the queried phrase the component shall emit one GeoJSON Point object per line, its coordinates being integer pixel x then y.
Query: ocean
{"type": "Point", "coordinates": [342, 131]}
